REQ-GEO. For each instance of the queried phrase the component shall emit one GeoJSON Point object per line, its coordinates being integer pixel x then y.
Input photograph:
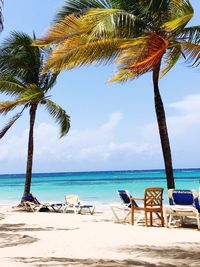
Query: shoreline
{"type": "Point", "coordinates": [65, 239]}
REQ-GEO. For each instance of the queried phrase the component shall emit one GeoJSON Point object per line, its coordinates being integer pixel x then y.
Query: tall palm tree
{"type": "Point", "coordinates": [21, 77]}
{"type": "Point", "coordinates": [1, 15]}
{"type": "Point", "coordinates": [138, 35]}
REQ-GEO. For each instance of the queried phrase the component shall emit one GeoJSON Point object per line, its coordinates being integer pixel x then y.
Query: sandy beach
{"type": "Point", "coordinates": [63, 239]}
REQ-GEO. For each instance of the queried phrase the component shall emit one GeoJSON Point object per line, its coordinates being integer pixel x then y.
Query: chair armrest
{"type": "Point", "coordinates": [136, 198]}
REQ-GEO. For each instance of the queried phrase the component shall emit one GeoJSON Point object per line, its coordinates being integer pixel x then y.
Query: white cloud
{"type": "Point", "coordinates": [184, 131]}
{"type": "Point", "coordinates": [80, 149]}
{"type": "Point", "coordinates": [102, 148]}
{"type": "Point", "coordinates": [189, 105]}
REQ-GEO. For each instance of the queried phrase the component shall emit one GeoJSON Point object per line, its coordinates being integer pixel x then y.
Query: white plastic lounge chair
{"type": "Point", "coordinates": [72, 203]}
{"type": "Point", "coordinates": [183, 204]}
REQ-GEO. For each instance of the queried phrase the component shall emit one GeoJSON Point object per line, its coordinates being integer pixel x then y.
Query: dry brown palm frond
{"type": "Point", "coordinates": [149, 53]}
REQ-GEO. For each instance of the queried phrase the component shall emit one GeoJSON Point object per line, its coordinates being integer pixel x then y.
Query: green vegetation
{"type": "Point", "coordinates": [21, 77]}
{"type": "Point", "coordinates": [139, 36]}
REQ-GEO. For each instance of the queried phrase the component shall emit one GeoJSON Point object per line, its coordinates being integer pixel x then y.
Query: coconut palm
{"type": "Point", "coordinates": [1, 15]}
{"type": "Point", "coordinates": [21, 77]}
{"type": "Point", "coordinates": [138, 35]}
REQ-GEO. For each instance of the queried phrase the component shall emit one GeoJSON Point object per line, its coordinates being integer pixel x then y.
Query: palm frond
{"type": "Point", "coordinates": [11, 87]}
{"type": "Point", "coordinates": [64, 29]}
{"type": "Point", "coordinates": [7, 106]}
{"type": "Point", "coordinates": [77, 52]}
{"type": "Point", "coordinates": [10, 124]}
{"type": "Point", "coordinates": [32, 94]}
{"type": "Point", "coordinates": [177, 23]}
{"type": "Point", "coordinates": [111, 23]}
{"type": "Point", "coordinates": [60, 116]}
{"type": "Point", "coordinates": [192, 52]}
{"type": "Point", "coordinates": [180, 17]}
{"type": "Point", "coordinates": [170, 59]}
{"type": "Point", "coordinates": [21, 60]}
{"type": "Point", "coordinates": [99, 23]}
{"type": "Point", "coordinates": [48, 81]}
{"type": "Point", "coordinates": [190, 34]}
{"type": "Point", "coordinates": [79, 7]}
{"type": "Point", "coordinates": [151, 49]}
{"type": "Point", "coordinates": [122, 75]}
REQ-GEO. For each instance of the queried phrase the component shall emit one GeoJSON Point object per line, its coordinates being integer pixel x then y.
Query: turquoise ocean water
{"type": "Point", "coordinates": [93, 186]}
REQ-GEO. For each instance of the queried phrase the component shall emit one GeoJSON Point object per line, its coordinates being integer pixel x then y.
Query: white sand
{"type": "Point", "coordinates": [62, 239]}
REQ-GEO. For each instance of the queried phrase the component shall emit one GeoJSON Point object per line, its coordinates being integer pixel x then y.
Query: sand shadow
{"type": "Point", "coordinates": [168, 255]}
{"type": "Point", "coordinates": [2, 216]}
{"type": "Point", "coordinates": [11, 240]}
{"type": "Point", "coordinates": [21, 227]}
{"type": "Point", "coordinates": [139, 256]}
{"type": "Point", "coordinates": [10, 234]}
{"type": "Point", "coordinates": [54, 261]}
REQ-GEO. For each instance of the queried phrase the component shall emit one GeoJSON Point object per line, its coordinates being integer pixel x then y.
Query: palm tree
{"type": "Point", "coordinates": [1, 15]}
{"type": "Point", "coordinates": [21, 77]}
{"type": "Point", "coordinates": [138, 35]}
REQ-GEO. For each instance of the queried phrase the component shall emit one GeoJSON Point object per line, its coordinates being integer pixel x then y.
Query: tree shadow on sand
{"type": "Point", "coordinates": [59, 262]}
{"type": "Point", "coordinates": [139, 256]}
{"type": "Point", "coordinates": [188, 254]}
{"type": "Point", "coordinates": [11, 240]}
{"type": "Point", "coordinates": [10, 234]}
{"type": "Point", "coordinates": [22, 227]}
{"type": "Point", "coordinates": [2, 216]}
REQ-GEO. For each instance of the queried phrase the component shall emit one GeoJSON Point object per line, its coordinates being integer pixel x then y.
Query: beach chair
{"type": "Point", "coordinates": [184, 204]}
{"type": "Point", "coordinates": [73, 203]}
{"type": "Point", "coordinates": [152, 203]}
{"type": "Point", "coordinates": [31, 203]}
{"type": "Point", "coordinates": [122, 211]}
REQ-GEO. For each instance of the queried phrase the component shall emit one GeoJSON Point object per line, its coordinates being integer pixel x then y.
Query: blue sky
{"type": "Point", "coordinates": [113, 127]}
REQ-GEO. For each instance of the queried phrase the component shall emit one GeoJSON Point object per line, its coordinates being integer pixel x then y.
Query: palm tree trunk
{"type": "Point", "coordinates": [162, 125]}
{"type": "Point", "coordinates": [29, 165]}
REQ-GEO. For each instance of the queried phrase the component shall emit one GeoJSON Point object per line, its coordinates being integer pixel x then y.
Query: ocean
{"type": "Point", "coordinates": [97, 187]}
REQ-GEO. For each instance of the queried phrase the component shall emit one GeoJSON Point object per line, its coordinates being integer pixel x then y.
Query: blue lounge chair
{"type": "Point", "coordinates": [31, 203]}
{"type": "Point", "coordinates": [124, 207]}
{"type": "Point", "coordinates": [183, 204]}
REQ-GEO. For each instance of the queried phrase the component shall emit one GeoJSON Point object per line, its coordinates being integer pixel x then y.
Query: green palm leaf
{"type": "Point", "coordinates": [32, 94]}
{"type": "Point", "coordinates": [180, 17]}
{"type": "Point", "coordinates": [11, 87]}
{"type": "Point", "coordinates": [60, 116]}
{"type": "Point", "coordinates": [170, 59]}
{"type": "Point", "coordinates": [7, 106]}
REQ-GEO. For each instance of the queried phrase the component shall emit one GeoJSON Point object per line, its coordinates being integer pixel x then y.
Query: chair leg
{"type": "Point", "coordinates": [132, 214]}
{"type": "Point", "coordinates": [146, 218]}
{"type": "Point", "coordinates": [151, 218]}
{"type": "Point", "coordinates": [162, 218]}
{"type": "Point", "coordinates": [198, 220]}
{"type": "Point", "coordinates": [170, 219]}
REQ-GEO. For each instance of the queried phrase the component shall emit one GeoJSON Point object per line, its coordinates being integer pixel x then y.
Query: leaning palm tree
{"type": "Point", "coordinates": [1, 15]}
{"type": "Point", "coordinates": [21, 77]}
{"type": "Point", "coordinates": [138, 35]}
